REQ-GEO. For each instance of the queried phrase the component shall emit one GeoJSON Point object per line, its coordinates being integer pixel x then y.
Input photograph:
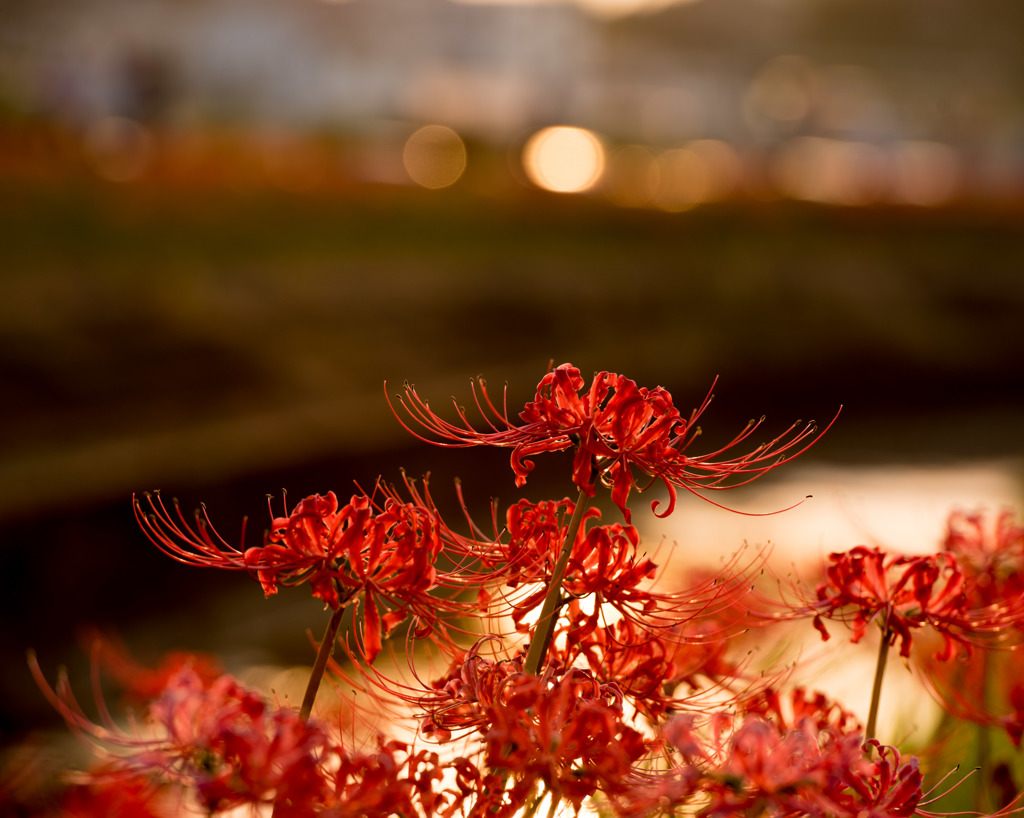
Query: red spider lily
{"type": "Point", "coordinates": [228, 745]}
{"type": "Point", "coordinates": [384, 552]}
{"type": "Point", "coordinates": [615, 427]}
{"type": "Point", "coordinates": [463, 699]}
{"type": "Point", "coordinates": [986, 687]}
{"type": "Point", "coordinates": [992, 556]}
{"type": "Point", "coordinates": [394, 780]}
{"type": "Point", "coordinates": [142, 683]}
{"type": "Point", "coordinates": [221, 740]}
{"type": "Point", "coordinates": [605, 569]}
{"type": "Point", "coordinates": [880, 785]}
{"type": "Point", "coordinates": [652, 642]}
{"type": "Point", "coordinates": [603, 562]}
{"type": "Point", "coordinates": [535, 532]}
{"type": "Point", "coordinates": [649, 667]}
{"type": "Point", "coordinates": [754, 765]}
{"type": "Point", "coordinates": [118, 794]}
{"type": "Point", "coordinates": [565, 731]}
{"type": "Point", "coordinates": [903, 593]}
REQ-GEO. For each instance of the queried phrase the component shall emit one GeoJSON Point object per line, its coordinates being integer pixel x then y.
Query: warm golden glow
{"type": "Point", "coordinates": [119, 149]}
{"type": "Point", "coordinates": [924, 173]}
{"type": "Point", "coordinates": [631, 177]}
{"type": "Point", "coordinates": [704, 170]}
{"type": "Point", "coordinates": [682, 180]}
{"type": "Point", "coordinates": [564, 159]}
{"type": "Point", "coordinates": [832, 171]}
{"type": "Point", "coordinates": [781, 94]}
{"type": "Point", "coordinates": [434, 156]}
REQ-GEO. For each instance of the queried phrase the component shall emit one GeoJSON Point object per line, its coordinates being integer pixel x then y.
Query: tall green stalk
{"type": "Point", "coordinates": [876, 689]}
{"type": "Point", "coordinates": [322, 655]}
{"type": "Point", "coordinates": [983, 800]}
{"type": "Point", "coordinates": [549, 611]}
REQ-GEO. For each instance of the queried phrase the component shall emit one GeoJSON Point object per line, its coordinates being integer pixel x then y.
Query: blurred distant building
{"type": "Point", "coordinates": [493, 70]}
{"type": "Point", "coordinates": [745, 71]}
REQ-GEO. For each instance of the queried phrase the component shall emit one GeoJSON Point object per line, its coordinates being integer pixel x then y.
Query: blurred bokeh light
{"type": "Point", "coordinates": [564, 159]}
{"type": "Point", "coordinates": [434, 156]}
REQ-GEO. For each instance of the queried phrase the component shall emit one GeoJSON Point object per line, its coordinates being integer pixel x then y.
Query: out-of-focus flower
{"type": "Point", "coordinates": [797, 706]}
{"type": "Point", "coordinates": [222, 740]}
{"type": "Point", "coordinates": [118, 794]}
{"type": "Point", "coordinates": [990, 554]}
{"type": "Point", "coordinates": [808, 763]}
{"type": "Point", "coordinates": [902, 593]}
{"type": "Point", "coordinates": [986, 687]}
{"type": "Point", "coordinates": [139, 682]}
{"type": "Point", "coordinates": [230, 748]}
{"type": "Point", "coordinates": [615, 427]}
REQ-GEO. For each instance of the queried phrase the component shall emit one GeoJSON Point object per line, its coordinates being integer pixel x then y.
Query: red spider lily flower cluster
{"type": "Point", "coordinates": [754, 765]}
{"type": "Point", "coordinates": [383, 555]}
{"type": "Point", "coordinates": [603, 562]}
{"type": "Point", "coordinates": [139, 682]}
{"type": "Point", "coordinates": [615, 427]}
{"type": "Point", "coordinates": [228, 747]}
{"type": "Point", "coordinates": [991, 554]}
{"type": "Point", "coordinates": [646, 641]}
{"type": "Point", "coordinates": [564, 729]}
{"type": "Point", "coordinates": [649, 668]}
{"type": "Point", "coordinates": [986, 687]}
{"type": "Point", "coordinates": [665, 651]}
{"type": "Point", "coordinates": [902, 593]}
{"type": "Point", "coordinates": [587, 680]}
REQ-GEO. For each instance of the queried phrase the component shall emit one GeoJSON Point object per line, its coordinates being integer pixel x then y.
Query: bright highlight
{"type": "Point", "coordinates": [564, 159]}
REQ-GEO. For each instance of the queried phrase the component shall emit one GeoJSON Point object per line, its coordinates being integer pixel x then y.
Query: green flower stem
{"type": "Point", "coordinates": [876, 690]}
{"type": "Point", "coordinates": [982, 798]}
{"type": "Point", "coordinates": [322, 655]}
{"type": "Point", "coordinates": [549, 611]}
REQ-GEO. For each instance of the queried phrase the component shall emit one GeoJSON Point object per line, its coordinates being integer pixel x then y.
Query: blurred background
{"type": "Point", "coordinates": [224, 224]}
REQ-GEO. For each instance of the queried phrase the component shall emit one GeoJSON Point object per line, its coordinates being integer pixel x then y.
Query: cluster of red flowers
{"type": "Point", "coordinates": [563, 730]}
{"type": "Point", "coordinates": [381, 554]}
{"type": "Point", "coordinates": [217, 746]}
{"type": "Point", "coordinates": [588, 681]}
{"type": "Point", "coordinates": [901, 593]}
{"type": "Point", "coordinates": [986, 687]}
{"type": "Point", "coordinates": [760, 766]}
